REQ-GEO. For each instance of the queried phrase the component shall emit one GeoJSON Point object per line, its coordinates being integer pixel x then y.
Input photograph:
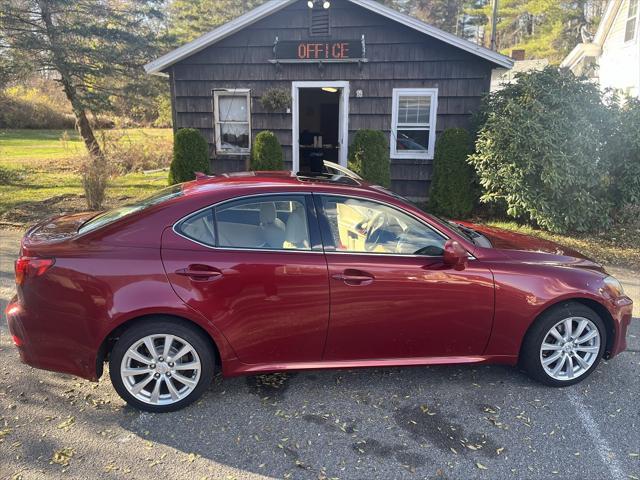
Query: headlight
{"type": "Point", "coordinates": [613, 286]}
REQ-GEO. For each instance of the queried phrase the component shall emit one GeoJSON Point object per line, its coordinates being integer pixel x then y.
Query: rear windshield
{"type": "Point", "coordinates": [111, 216]}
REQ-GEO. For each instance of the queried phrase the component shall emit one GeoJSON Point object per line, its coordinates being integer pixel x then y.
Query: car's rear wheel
{"type": "Point", "coordinates": [565, 345]}
{"type": "Point", "coordinates": [161, 365]}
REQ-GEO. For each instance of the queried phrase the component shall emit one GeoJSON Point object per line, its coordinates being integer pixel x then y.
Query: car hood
{"type": "Point", "coordinates": [528, 248]}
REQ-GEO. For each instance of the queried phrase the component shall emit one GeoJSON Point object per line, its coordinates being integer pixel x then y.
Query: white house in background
{"type": "Point", "coordinates": [502, 76]}
{"type": "Point", "coordinates": [613, 56]}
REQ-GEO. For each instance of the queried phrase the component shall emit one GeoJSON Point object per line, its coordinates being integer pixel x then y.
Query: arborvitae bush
{"type": "Point", "coordinates": [190, 155]}
{"type": "Point", "coordinates": [369, 157]}
{"type": "Point", "coordinates": [453, 191]}
{"type": "Point", "coordinates": [266, 153]}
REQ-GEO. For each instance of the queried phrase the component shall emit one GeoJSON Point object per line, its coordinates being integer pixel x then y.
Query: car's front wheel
{"type": "Point", "coordinates": [565, 345]}
{"type": "Point", "coordinates": [161, 365]}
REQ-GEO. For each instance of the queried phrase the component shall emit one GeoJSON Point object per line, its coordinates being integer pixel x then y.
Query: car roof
{"type": "Point", "coordinates": [278, 181]}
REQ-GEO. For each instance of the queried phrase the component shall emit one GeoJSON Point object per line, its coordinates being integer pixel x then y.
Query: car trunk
{"type": "Point", "coordinates": [53, 230]}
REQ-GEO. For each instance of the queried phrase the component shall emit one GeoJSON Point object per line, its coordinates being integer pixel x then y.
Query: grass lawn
{"type": "Point", "coordinates": [39, 172]}
{"type": "Point", "coordinates": [24, 148]}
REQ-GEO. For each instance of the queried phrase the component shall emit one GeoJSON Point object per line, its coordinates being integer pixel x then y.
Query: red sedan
{"type": "Point", "coordinates": [262, 272]}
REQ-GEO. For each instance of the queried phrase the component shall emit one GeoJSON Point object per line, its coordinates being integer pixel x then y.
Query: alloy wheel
{"type": "Point", "coordinates": [160, 369]}
{"type": "Point", "coordinates": [570, 348]}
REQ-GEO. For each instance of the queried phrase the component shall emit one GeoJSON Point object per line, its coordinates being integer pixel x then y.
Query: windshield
{"type": "Point", "coordinates": [462, 231]}
{"type": "Point", "coordinates": [111, 216]}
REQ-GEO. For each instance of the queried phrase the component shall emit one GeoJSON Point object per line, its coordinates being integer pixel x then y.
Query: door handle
{"type": "Point", "coordinates": [354, 277]}
{"type": "Point", "coordinates": [199, 272]}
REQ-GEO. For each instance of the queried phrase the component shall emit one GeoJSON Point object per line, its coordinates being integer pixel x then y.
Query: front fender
{"type": "Point", "coordinates": [525, 291]}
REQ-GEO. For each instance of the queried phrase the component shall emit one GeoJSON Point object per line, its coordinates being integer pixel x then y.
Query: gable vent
{"type": "Point", "coordinates": [319, 22]}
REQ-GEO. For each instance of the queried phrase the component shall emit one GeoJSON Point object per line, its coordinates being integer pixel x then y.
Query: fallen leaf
{"type": "Point", "coordinates": [62, 456]}
{"type": "Point", "coordinates": [481, 466]}
{"type": "Point", "coordinates": [192, 456]}
{"type": "Point", "coordinates": [66, 425]}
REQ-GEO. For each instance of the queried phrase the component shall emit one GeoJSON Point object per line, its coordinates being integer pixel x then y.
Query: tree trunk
{"type": "Point", "coordinates": [86, 132]}
{"type": "Point", "coordinates": [66, 80]}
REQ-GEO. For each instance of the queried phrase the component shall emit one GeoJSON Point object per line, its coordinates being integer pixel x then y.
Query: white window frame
{"type": "Point", "coordinates": [343, 121]}
{"type": "Point", "coordinates": [230, 92]}
{"type": "Point", "coordinates": [431, 126]}
{"type": "Point", "coordinates": [635, 19]}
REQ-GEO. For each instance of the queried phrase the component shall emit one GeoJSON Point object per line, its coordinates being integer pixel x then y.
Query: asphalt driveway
{"type": "Point", "coordinates": [442, 422]}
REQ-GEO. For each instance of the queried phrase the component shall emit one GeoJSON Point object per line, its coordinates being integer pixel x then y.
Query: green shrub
{"type": "Point", "coordinates": [369, 157]}
{"type": "Point", "coordinates": [623, 154]}
{"type": "Point", "coordinates": [453, 192]}
{"type": "Point", "coordinates": [190, 155]}
{"type": "Point", "coordinates": [266, 152]}
{"type": "Point", "coordinates": [542, 150]}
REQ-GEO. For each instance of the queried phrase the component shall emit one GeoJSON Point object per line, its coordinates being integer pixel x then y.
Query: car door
{"type": "Point", "coordinates": [391, 294]}
{"type": "Point", "coordinates": [254, 268]}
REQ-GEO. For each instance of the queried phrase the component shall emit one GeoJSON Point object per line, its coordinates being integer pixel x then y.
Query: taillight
{"type": "Point", "coordinates": [31, 267]}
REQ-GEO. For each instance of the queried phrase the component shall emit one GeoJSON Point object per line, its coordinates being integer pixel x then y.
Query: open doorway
{"type": "Point", "coordinates": [320, 112]}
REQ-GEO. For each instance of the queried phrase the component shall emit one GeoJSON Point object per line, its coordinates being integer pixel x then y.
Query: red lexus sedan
{"type": "Point", "coordinates": [262, 272]}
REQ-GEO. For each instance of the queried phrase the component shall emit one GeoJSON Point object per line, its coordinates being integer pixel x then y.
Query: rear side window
{"type": "Point", "coordinates": [199, 228]}
{"type": "Point", "coordinates": [273, 223]}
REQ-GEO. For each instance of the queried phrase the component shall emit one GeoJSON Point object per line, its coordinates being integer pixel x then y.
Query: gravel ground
{"type": "Point", "coordinates": [416, 423]}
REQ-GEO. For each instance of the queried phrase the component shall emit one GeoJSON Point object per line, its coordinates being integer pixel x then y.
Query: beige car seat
{"type": "Point", "coordinates": [296, 233]}
{"type": "Point", "coordinates": [273, 228]}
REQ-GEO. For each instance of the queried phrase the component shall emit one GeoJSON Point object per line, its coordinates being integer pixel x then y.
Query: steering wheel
{"type": "Point", "coordinates": [376, 226]}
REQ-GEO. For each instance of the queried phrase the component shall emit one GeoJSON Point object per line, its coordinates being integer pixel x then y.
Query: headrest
{"type": "Point", "coordinates": [267, 213]}
{"type": "Point", "coordinates": [296, 233]}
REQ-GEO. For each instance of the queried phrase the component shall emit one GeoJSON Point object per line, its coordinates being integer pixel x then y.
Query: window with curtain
{"type": "Point", "coordinates": [232, 112]}
{"type": "Point", "coordinates": [413, 122]}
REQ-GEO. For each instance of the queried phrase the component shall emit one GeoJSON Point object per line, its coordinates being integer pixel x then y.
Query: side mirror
{"type": "Point", "coordinates": [455, 255]}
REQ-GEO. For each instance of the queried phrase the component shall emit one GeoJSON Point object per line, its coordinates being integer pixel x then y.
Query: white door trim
{"type": "Point", "coordinates": [343, 129]}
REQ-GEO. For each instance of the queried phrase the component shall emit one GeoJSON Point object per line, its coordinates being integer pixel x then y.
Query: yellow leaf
{"type": "Point", "coordinates": [66, 425]}
{"type": "Point", "coordinates": [62, 456]}
{"type": "Point", "coordinates": [192, 457]}
{"type": "Point", "coordinates": [481, 466]}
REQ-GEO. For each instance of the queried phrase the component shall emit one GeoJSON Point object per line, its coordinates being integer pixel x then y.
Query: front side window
{"type": "Point", "coordinates": [413, 123]}
{"type": "Point", "coordinates": [632, 21]}
{"type": "Point", "coordinates": [232, 114]}
{"type": "Point", "coordinates": [273, 223]}
{"type": "Point", "coordinates": [364, 226]}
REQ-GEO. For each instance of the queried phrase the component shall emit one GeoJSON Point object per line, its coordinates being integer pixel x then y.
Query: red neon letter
{"type": "Point", "coordinates": [302, 51]}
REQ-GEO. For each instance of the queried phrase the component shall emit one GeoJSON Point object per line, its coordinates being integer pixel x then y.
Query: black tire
{"type": "Point", "coordinates": [530, 353]}
{"type": "Point", "coordinates": [159, 326]}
